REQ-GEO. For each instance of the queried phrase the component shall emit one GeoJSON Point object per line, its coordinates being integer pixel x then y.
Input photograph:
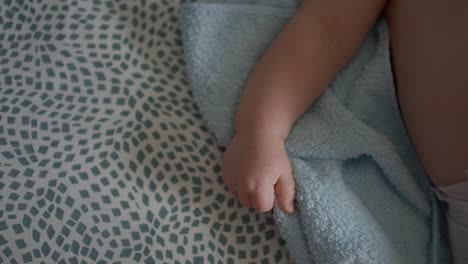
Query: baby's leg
{"type": "Point", "coordinates": [429, 40]}
{"type": "Point", "coordinates": [430, 54]}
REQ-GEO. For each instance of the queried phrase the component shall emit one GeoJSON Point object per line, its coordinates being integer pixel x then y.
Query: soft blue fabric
{"type": "Point", "coordinates": [362, 196]}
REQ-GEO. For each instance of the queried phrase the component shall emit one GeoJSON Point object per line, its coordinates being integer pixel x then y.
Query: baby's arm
{"type": "Point", "coordinates": [292, 74]}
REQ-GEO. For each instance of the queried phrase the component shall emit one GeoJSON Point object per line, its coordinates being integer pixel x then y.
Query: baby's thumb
{"type": "Point", "coordinates": [285, 191]}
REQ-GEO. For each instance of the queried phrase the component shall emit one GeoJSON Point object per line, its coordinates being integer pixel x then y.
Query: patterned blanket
{"type": "Point", "coordinates": [103, 155]}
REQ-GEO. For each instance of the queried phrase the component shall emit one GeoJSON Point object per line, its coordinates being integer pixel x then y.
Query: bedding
{"type": "Point", "coordinates": [104, 157]}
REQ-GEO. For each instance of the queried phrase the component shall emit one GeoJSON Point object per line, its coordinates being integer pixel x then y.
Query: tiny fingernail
{"type": "Point", "coordinates": [291, 206]}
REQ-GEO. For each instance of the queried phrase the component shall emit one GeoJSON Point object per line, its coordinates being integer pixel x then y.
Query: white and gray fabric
{"type": "Point", "coordinates": [103, 155]}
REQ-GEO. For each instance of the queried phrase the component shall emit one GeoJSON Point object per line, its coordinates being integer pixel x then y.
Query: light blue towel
{"type": "Point", "coordinates": [362, 196]}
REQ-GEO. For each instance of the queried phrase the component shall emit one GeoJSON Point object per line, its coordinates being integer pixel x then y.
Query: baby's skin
{"type": "Point", "coordinates": [429, 47]}
{"type": "Point", "coordinates": [301, 62]}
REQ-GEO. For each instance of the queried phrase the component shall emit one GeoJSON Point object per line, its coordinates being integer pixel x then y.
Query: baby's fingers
{"type": "Point", "coordinates": [263, 197]}
{"type": "Point", "coordinates": [285, 190]}
{"type": "Point", "coordinates": [244, 198]}
{"type": "Point", "coordinates": [233, 193]}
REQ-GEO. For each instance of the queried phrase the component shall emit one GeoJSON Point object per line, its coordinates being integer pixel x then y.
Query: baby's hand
{"type": "Point", "coordinates": [255, 167]}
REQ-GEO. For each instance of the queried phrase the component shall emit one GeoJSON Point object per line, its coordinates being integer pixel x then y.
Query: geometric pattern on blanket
{"type": "Point", "coordinates": [103, 155]}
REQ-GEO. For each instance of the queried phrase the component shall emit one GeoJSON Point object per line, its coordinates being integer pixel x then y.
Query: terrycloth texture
{"type": "Point", "coordinates": [362, 196]}
{"type": "Point", "coordinates": [456, 198]}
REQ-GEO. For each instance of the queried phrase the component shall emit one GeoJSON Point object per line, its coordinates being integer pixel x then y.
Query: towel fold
{"type": "Point", "coordinates": [362, 195]}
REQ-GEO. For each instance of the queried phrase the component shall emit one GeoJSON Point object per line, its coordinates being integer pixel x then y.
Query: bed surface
{"type": "Point", "coordinates": [103, 155]}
